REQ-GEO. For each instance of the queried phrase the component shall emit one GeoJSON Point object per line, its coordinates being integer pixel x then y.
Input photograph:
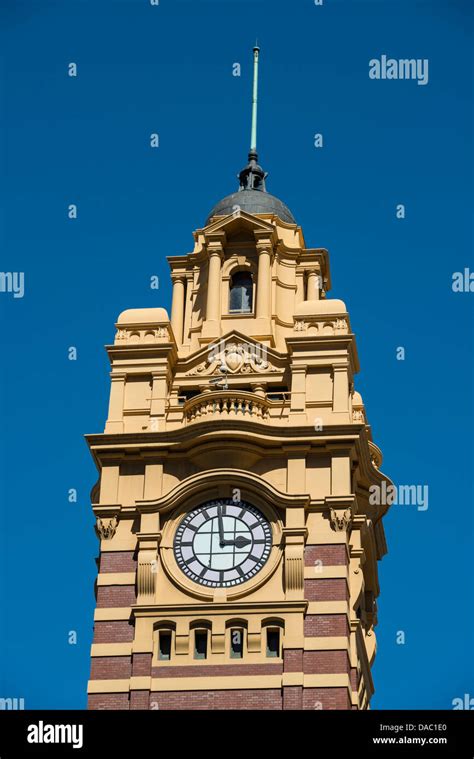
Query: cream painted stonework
{"type": "Point", "coordinates": [209, 403]}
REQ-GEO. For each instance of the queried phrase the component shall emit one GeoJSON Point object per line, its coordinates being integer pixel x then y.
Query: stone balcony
{"type": "Point", "coordinates": [228, 404]}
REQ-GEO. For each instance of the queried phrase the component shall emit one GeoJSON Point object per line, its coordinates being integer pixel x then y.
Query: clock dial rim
{"type": "Point", "coordinates": [229, 577]}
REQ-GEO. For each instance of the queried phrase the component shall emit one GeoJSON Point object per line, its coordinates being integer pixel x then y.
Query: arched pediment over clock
{"type": "Point", "coordinates": [218, 483]}
{"type": "Point", "coordinates": [211, 486]}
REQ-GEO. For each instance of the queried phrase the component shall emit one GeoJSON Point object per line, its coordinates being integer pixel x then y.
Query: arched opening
{"type": "Point", "coordinates": [241, 293]}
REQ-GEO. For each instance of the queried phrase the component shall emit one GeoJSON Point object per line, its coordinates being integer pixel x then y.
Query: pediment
{"type": "Point", "coordinates": [238, 222]}
{"type": "Point", "coordinates": [239, 353]}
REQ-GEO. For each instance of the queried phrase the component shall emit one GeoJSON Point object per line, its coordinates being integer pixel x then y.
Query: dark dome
{"type": "Point", "coordinates": [252, 201]}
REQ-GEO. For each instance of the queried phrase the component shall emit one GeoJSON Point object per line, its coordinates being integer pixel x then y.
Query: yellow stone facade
{"type": "Point", "coordinates": [210, 404]}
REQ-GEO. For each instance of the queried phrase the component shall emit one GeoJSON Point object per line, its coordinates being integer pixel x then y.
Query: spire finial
{"type": "Point", "coordinates": [253, 135]}
{"type": "Point", "coordinates": [252, 177]}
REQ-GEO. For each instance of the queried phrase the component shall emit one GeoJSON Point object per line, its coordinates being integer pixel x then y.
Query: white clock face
{"type": "Point", "coordinates": [222, 543]}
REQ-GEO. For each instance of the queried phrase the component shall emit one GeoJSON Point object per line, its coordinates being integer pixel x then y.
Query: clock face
{"type": "Point", "coordinates": [222, 543]}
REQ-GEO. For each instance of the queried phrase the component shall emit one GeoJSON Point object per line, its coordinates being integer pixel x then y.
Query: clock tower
{"type": "Point", "coordinates": [238, 541]}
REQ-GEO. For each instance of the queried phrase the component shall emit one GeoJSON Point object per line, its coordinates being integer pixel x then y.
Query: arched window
{"type": "Point", "coordinates": [165, 634]}
{"type": "Point", "coordinates": [237, 634]}
{"type": "Point", "coordinates": [241, 293]}
{"type": "Point", "coordinates": [273, 637]}
{"type": "Point", "coordinates": [201, 634]}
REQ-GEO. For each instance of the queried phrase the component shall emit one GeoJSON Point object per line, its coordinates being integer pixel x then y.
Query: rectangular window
{"type": "Point", "coordinates": [273, 643]}
{"type": "Point", "coordinates": [200, 644]}
{"type": "Point", "coordinates": [164, 645]}
{"type": "Point", "coordinates": [236, 643]}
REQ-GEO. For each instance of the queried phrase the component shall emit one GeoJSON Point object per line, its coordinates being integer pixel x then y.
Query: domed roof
{"type": "Point", "coordinates": [252, 201]}
{"type": "Point", "coordinates": [323, 306]}
{"type": "Point", "coordinates": [143, 316]}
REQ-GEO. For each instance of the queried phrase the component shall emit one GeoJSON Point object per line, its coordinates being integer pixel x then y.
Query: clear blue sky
{"type": "Point", "coordinates": [85, 140]}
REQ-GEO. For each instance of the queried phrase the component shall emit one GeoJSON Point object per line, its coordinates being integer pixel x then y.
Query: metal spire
{"type": "Point", "coordinates": [252, 177]}
{"type": "Point", "coordinates": [253, 135]}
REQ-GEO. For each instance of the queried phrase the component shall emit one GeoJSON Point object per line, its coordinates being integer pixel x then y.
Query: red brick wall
{"type": "Point", "coordinates": [326, 698]}
{"type": "Point", "coordinates": [108, 701]}
{"type": "Point", "coordinates": [141, 665]}
{"type": "Point", "coordinates": [117, 631]}
{"type": "Point", "coordinates": [354, 679]}
{"type": "Point", "coordinates": [140, 699]}
{"type": "Point", "coordinates": [293, 660]}
{"type": "Point", "coordinates": [115, 595]}
{"type": "Point", "coordinates": [325, 662]}
{"type": "Point", "coordinates": [218, 699]}
{"type": "Point", "coordinates": [211, 670]}
{"type": "Point", "coordinates": [329, 555]}
{"type": "Point", "coordinates": [330, 589]}
{"type": "Point", "coordinates": [117, 561]}
{"type": "Point", "coordinates": [292, 697]}
{"type": "Point", "coordinates": [110, 667]}
{"type": "Point", "coordinates": [316, 625]}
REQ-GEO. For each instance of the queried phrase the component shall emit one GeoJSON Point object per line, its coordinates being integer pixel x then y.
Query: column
{"type": "Point", "coordinates": [263, 284]}
{"type": "Point", "coordinates": [213, 285]}
{"type": "Point", "coordinates": [188, 308]}
{"type": "Point", "coordinates": [314, 285]}
{"type": "Point", "coordinates": [177, 308]}
{"type": "Point", "coordinates": [212, 324]}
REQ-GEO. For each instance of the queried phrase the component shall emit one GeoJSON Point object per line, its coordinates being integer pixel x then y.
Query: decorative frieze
{"type": "Point", "coordinates": [358, 415]}
{"type": "Point", "coordinates": [147, 335]}
{"type": "Point", "coordinates": [237, 358]}
{"type": "Point", "coordinates": [322, 326]}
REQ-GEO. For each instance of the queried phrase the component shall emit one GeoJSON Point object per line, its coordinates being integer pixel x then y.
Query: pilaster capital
{"type": "Point", "coordinates": [313, 269]}
{"type": "Point", "coordinates": [265, 238]}
{"type": "Point", "coordinates": [215, 241]}
{"type": "Point", "coordinates": [264, 247]}
{"type": "Point", "coordinates": [294, 535]}
{"type": "Point", "coordinates": [344, 367]}
{"type": "Point", "coordinates": [215, 249]}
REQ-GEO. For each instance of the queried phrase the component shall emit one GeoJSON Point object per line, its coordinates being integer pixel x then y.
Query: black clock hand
{"type": "Point", "coordinates": [239, 542]}
{"type": "Point", "coordinates": [220, 521]}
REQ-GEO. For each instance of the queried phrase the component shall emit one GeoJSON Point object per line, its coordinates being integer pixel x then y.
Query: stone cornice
{"type": "Point", "coordinates": [310, 347]}
{"type": "Point", "coordinates": [213, 479]}
{"type": "Point", "coordinates": [238, 607]}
